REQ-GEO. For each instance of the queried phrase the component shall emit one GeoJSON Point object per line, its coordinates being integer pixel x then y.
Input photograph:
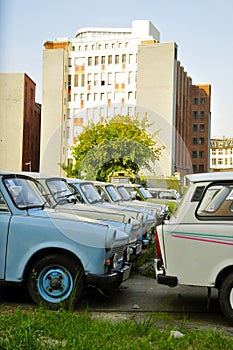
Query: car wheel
{"type": "Point", "coordinates": [56, 281]}
{"type": "Point", "coordinates": [226, 297]}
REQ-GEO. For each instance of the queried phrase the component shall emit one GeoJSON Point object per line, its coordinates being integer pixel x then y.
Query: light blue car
{"type": "Point", "coordinates": [55, 254]}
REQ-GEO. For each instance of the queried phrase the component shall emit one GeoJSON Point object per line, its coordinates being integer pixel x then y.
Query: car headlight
{"type": "Point", "coordinates": [115, 261]}
{"type": "Point", "coordinates": [111, 239]}
{"type": "Point", "coordinates": [129, 251]}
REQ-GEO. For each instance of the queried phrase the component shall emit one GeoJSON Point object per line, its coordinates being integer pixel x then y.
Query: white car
{"type": "Point", "coordinates": [195, 247]}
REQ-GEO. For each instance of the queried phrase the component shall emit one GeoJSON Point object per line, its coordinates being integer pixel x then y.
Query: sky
{"type": "Point", "coordinates": [203, 31]}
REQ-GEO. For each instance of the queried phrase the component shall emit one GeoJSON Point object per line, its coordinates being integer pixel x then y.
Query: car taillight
{"type": "Point", "coordinates": [158, 249]}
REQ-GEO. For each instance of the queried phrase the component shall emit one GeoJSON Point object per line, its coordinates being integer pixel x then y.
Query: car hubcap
{"type": "Point", "coordinates": [231, 298]}
{"type": "Point", "coordinates": [55, 284]}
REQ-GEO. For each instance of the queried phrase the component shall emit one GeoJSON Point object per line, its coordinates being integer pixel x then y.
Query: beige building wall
{"type": "Point", "coordinates": [11, 120]}
{"type": "Point", "coordinates": [53, 134]}
{"type": "Point", "coordinates": [156, 95]}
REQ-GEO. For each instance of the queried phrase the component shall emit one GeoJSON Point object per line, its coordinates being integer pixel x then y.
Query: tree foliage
{"type": "Point", "coordinates": [117, 144]}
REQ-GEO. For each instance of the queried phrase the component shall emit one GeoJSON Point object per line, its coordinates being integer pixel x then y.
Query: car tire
{"type": "Point", "coordinates": [226, 297]}
{"type": "Point", "coordinates": [56, 281]}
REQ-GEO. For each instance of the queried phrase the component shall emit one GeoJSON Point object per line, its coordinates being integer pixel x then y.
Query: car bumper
{"type": "Point", "coordinates": [162, 277]}
{"type": "Point", "coordinates": [113, 279]}
{"type": "Point", "coordinates": [137, 248]}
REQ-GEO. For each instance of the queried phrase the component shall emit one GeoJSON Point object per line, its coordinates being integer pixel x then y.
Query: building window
{"type": "Point", "coordinates": [124, 58]}
{"type": "Point", "coordinates": [195, 101]}
{"type": "Point", "coordinates": [96, 60]}
{"type": "Point", "coordinates": [95, 79]}
{"type": "Point", "coordinates": [202, 100]}
{"type": "Point", "coordinates": [194, 128]}
{"type": "Point", "coordinates": [194, 168]}
{"type": "Point", "coordinates": [201, 168]}
{"type": "Point", "coordinates": [195, 114]}
{"type": "Point", "coordinates": [201, 141]}
{"type": "Point", "coordinates": [70, 62]}
{"type": "Point", "coordinates": [82, 80]}
{"type": "Point", "coordinates": [202, 114]}
{"type": "Point", "coordinates": [220, 161]}
{"type": "Point", "coordinates": [101, 96]}
{"type": "Point", "coordinates": [130, 95]}
{"type": "Point", "coordinates": [194, 141]}
{"type": "Point", "coordinates": [201, 154]}
{"type": "Point", "coordinates": [109, 59]}
{"type": "Point", "coordinates": [130, 77]}
{"type": "Point", "coordinates": [89, 61]}
{"type": "Point", "coordinates": [130, 58]}
{"type": "Point", "coordinates": [202, 127]}
{"type": "Point", "coordinates": [89, 78]}
{"type": "Point", "coordinates": [102, 59]}
{"type": "Point", "coordinates": [76, 80]}
{"type": "Point", "coordinates": [194, 154]}
{"type": "Point", "coordinates": [117, 59]}
{"type": "Point", "coordinates": [95, 96]}
{"type": "Point", "coordinates": [110, 78]}
{"type": "Point", "coordinates": [103, 77]}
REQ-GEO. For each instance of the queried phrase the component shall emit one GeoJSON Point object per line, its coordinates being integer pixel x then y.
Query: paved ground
{"type": "Point", "coordinates": [141, 297]}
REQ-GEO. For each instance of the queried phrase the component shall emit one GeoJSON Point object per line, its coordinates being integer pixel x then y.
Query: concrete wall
{"type": "Point", "coordinates": [51, 154]}
{"type": "Point", "coordinates": [156, 95]}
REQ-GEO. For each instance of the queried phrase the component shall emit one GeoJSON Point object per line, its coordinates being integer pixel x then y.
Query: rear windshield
{"type": "Point", "coordinates": [217, 202]}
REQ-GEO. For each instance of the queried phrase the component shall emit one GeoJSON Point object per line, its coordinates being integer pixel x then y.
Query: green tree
{"type": "Point", "coordinates": [117, 144]}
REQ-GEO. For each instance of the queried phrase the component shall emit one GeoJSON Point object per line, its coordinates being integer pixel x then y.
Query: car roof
{"type": "Point", "coordinates": [160, 189]}
{"type": "Point", "coordinates": [207, 177]}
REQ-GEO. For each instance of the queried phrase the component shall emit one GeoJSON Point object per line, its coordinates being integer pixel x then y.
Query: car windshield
{"type": "Point", "coordinates": [145, 192]}
{"type": "Point", "coordinates": [115, 196]}
{"type": "Point", "coordinates": [60, 191]}
{"type": "Point", "coordinates": [91, 193]}
{"type": "Point", "coordinates": [23, 192]}
{"type": "Point", "coordinates": [124, 193]}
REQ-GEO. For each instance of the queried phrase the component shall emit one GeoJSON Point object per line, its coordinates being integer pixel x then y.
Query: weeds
{"type": "Point", "coordinates": [43, 329]}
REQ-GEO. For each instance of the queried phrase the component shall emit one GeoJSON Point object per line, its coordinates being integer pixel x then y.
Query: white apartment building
{"type": "Point", "coordinates": [221, 154]}
{"type": "Point", "coordinates": [103, 72]}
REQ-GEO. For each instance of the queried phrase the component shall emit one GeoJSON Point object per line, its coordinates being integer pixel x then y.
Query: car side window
{"type": "Point", "coordinates": [3, 205]}
{"type": "Point", "coordinates": [217, 202]}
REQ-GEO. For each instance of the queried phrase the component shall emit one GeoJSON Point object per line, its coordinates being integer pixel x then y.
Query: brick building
{"type": "Point", "coordinates": [20, 120]}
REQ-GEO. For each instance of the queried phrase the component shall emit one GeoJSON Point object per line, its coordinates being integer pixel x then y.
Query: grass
{"type": "Point", "coordinates": [43, 329]}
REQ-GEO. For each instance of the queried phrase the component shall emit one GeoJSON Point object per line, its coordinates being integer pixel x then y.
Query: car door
{"type": "Point", "coordinates": [4, 224]}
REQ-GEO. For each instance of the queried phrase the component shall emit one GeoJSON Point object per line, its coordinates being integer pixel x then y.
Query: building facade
{"type": "Point", "coordinates": [103, 72]}
{"type": "Point", "coordinates": [221, 154]}
{"type": "Point", "coordinates": [20, 123]}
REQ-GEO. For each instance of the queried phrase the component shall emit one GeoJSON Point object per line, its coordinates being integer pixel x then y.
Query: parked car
{"type": "Point", "coordinates": [60, 196]}
{"type": "Point", "coordinates": [170, 197]}
{"type": "Point", "coordinates": [161, 209]}
{"type": "Point", "coordinates": [55, 254]}
{"type": "Point", "coordinates": [138, 192]}
{"type": "Point", "coordinates": [89, 192]}
{"type": "Point", "coordinates": [195, 247]}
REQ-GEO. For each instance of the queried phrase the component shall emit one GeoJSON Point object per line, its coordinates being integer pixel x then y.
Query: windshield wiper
{"type": "Point", "coordinates": [33, 206]}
